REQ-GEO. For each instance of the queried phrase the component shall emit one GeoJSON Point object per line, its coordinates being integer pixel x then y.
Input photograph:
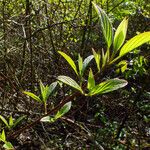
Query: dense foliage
{"type": "Point", "coordinates": [74, 74]}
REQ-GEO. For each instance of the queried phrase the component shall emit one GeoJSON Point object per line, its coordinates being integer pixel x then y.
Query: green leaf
{"type": "Point", "coordinates": [3, 136]}
{"type": "Point", "coordinates": [63, 110]}
{"type": "Point", "coordinates": [135, 42]}
{"type": "Point", "coordinates": [69, 81]}
{"type": "Point", "coordinates": [105, 57]}
{"type": "Point", "coordinates": [48, 91]}
{"type": "Point", "coordinates": [80, 64]}
{"type": "Point", "coordinates": [18, 120]}
{"type": "Point", "coordinates": [132, 44]}
{"type": "Point", "coordinates": [91, 81]}
{"type": "Point", "coordinates": [1, 139]}
{"type": "Point", "coordinates": [105, 25]}
{"type": "Point", "coordinates": [11, 122]}
{"type": "Point", "coordinates": [42, 87]}
{"type": "Point", "coordinates": [8, 146]}
{"type": "Point", "coordinates": [51, 88]}
{"type": "Point", "coordinates": [86, 62]}
{"type": "Point", "coordinates": [69, 60]}
{"type": "Point", "coordinates": [33, 96]}
{"type": "Point", "coordinates": [4, 121]}
{"type": "Point", "coordinates": [48, 119]}
{"type": "Point", "coordinates": [45, 93]}
{"type": "Point", "coordinates": [120, 34]}
{"type": "Point", "coordinates": [97, 58]}
{"type": "Point", "coordinates": [108, 86]}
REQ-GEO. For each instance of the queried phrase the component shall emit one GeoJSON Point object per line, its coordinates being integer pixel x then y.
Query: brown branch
{"type": "Point", "coordinates": [50, 26]}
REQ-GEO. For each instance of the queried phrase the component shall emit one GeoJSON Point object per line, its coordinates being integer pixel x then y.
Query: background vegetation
{"type": "Point", "coordinates": [31, 34]}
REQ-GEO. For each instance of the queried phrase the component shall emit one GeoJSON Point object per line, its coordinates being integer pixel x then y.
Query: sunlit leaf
{"type": "Point", "coordinates": [69, 60]}
{"type": "Point", "coordinates": [33, 96]}
{"type": "Point", "coordinates": [3, 136]}
{"type": "Point", "coordinates": [108, 86]}
{"type": "Point", "coordinates": [132, 44]}
{"type": "Point", "coordinates": [48, 119]}
{"type": "Point", "coordinates": [48, 90]}
{"type": "Point", "coordinates": [91, 80]}
{"type": "Point", "coordinates": [80, 64]}
{"type": "Point", "coordinates": [105, 25]}
{"type": "Point", "coordinates": [135, 42]}
{"type": "Point", "coordinates": [97, 58]}
{"type": "Point", "coordinates": [1, 139]}
{"type": "Point", "coordinates": [63, 110]}
{"type": "Point", "coordinates": [120, 34]}
{"type": "Point", "coordinates": [51, 88]}
{"type": "Point", "coordinates": [105, 57]}
{"type": "Point", "coordinates": [11, 122]}
{"type": "Point", "coordinates": [86, 62]}
{"type": "Point", "coordinates": [69, 81]}
{"type": "Point", "coordinates": [4, 121]}
{"type": "Point", "coordinates": [8, 146]}
{"type": "Point", "coordinates": [45, 91]}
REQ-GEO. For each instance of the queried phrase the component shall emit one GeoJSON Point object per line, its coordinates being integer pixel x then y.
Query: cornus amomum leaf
{"type": "Point", "coordinates": [51, 88]}
{"type": "Point", "coordinates": [63, 110]}
{"type": "Point", "coordinates": [69, 60]}
{"type": "Point", "coordinates": [105, 25]}
{"type": "Point", "coordinates": [47, 119]}
{"type": "Point", "coordinates": [83, 64]}
{"type": "Point", "coordinates": [69, 81]}
{"type": "Point", "coordinates": [91, 80]}
{"type": "Point", "coordinates": [33, 96]}
{"type": "Point", "coordinates": [8, 146]}
{"type": "Point", "coordinates": [46, 91]}
{"type": "Point", "coordinates": [11, 122]}
{"type": "Point", "coordinates": [120, 34]}
{"type": "Point", "coordinates": [4, 121]}
{"type": "Point", "coordinates": [108, 86]}
{"type": "Point", "coordinates": [97, 58]}
{"type": "Point", "coordinates": [86, 62]}
{"type": "Point", "coordinates": [3, 136]}
{"type": "Point", "coordinates": [80, 64]}
{"type": "Point", "coordinates": [135, 42]}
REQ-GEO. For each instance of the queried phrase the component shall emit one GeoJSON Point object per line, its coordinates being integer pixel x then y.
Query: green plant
{"type": "Point", "coordinates": [46, 91]}
{"type": "Point", "coordinates": [104, 87]}
{"type": "Point", "coordinates": [82, 65]}
{"type": "Point", "coordinates": [31, 34]}
{"type": "Point", "coordinates": [11, 123]}
{"type": "Point", "coordinates": [59, 113]}
{"type": "Point", "coordinates": [119, 50]}
{"type": "Point", "coordinates": [104, 59]}
{"type": "Point", "coordinates": [7, 145]}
